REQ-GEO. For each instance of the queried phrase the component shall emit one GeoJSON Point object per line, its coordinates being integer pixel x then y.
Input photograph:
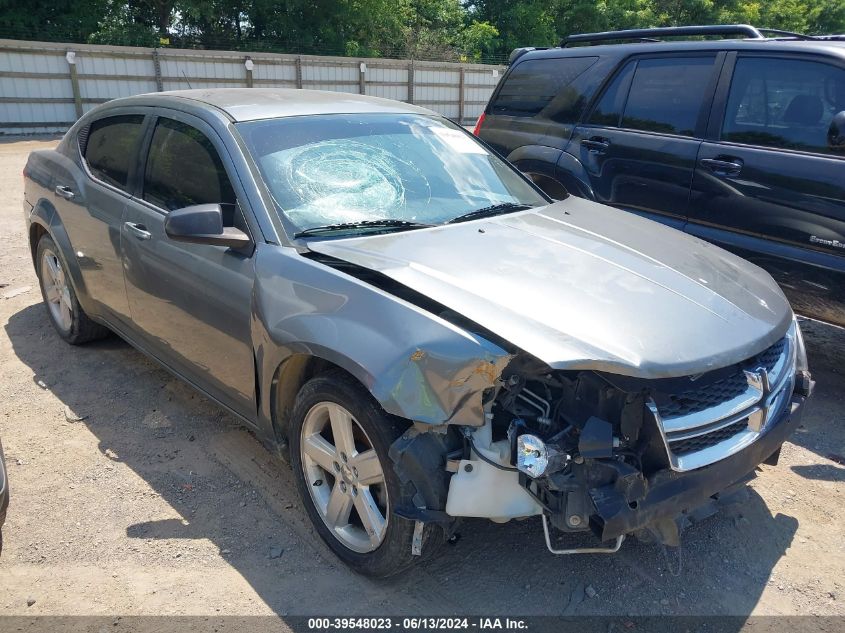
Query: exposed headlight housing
{"type": "Point", "coordinates": [532, 456]}
{"type": "Point", "coordinates": [535, 458]}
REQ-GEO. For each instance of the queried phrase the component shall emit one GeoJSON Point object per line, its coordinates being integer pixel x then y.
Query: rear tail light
{"type": "Point", "coordinates": [478, 124]}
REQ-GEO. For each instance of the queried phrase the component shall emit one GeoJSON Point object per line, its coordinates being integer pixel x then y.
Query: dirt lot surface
{"type": "Point", "coordinates": [158, 502]}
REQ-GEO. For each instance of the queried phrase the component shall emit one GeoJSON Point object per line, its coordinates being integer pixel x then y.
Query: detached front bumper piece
{"type": "Point", "coordinates": [671, 494]}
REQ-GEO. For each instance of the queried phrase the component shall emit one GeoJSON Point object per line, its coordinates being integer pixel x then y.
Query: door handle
{"type": "Point", "coordinates": [723, 165]}
{"type": "Point", "coordinates": [596, 144]}
{"type": "Point", "coordinates": [138, 230]}
{"type": "Point", "coordinates": [64, 192]}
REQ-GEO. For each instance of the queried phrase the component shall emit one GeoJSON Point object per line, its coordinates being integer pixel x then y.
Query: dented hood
{"type": "Point", "coordinates": [583, 286]}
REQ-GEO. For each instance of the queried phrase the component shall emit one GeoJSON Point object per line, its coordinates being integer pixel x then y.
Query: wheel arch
{"type": "Point", "coordinates": [286, 382]}
{"type": "Point", "coordinates": [45, 221]}
{"type": "Point", "coordinates": [571, 174]}
{"type": "Point", "coordinates": [556, 172]}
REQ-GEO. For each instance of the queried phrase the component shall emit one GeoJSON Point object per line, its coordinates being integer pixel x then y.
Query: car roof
{"type": "Point", "coordinates": [770, 45]}
{"type": "Point", "coordinates": [250, 104]}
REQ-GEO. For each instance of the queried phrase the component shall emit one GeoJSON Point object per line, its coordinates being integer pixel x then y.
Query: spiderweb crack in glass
{"type": "Point", "coordinates": [331, 169]}
{"type": "Point", "coordinates": [344, 181]}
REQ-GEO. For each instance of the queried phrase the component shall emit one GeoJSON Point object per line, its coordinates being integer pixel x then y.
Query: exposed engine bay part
{"type": "Point", "coordinates": [478, 476]}
{"type": "Point", "coordinates": [579, 550]}
{"type": "Point", "coordinates": [581, 450]}
{"type": "Point", "coordinates": [548, 437]}
{"type": "Point", "coordinates": [419, 460]}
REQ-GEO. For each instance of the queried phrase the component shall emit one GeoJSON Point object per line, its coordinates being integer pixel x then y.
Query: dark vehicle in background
{"type": "Point", "coordinates": [740, 142]}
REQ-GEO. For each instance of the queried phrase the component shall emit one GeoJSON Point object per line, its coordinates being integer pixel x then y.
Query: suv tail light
{"type": "Point", "coordinates": [478, 124]}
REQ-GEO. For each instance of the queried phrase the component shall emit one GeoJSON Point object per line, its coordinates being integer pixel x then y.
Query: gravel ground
{"type": "Point", "coordinates": [158, 502]}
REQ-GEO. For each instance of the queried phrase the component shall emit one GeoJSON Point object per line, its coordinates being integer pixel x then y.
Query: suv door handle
{"type": "Point", "coordinates": [138, 230]}
{"type": "Point", "coordinates": [64, 192]}
{"type": "Point", "coordinates": [724, 165]}
{"type": "Point", "coordinates": [596, 144]}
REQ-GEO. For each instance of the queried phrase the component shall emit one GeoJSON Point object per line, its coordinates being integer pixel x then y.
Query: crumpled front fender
{"type": "Point", "coordinates": [415, 364]}
{"type": "Point", "coordinates": [432, 385]}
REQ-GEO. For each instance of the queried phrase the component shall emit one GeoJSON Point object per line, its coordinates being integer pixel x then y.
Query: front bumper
{"type": "Point", "coordinates": [671, 494]}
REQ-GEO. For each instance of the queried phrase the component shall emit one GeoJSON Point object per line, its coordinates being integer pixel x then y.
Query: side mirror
{"type": "Point", "coordinates": [836, 133]}
{"type": "Point", "coordinates": [203, 224]}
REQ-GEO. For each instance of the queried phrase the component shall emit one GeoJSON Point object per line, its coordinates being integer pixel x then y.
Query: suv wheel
{"type": "Point", "coordinates": [63, 308]}
{"type": "Point", "coordinates": [339, 444]}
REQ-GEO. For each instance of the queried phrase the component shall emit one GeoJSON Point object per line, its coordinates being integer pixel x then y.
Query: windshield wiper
{"type": "Point", "coordinates": [386, 223]}
{"type": "Point", "coordinates": [493, 209]}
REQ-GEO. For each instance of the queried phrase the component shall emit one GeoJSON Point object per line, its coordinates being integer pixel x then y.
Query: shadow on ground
{"type": "Point", "coordinates": [198, 459]}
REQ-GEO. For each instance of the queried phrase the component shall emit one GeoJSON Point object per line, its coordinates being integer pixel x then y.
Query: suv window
{"type": "Point", "coordinates": [184, 169]}
{"type": "Point", "coordinates": [531, 85]}
{"type": "Point", "coordinates": [667, 94]}
{"type": "Point", "coordinates": [783, 103]}
{"type": "Point", "coordinates": [608, 111]}
{"type": "Point", "coordinates": [111, 148]}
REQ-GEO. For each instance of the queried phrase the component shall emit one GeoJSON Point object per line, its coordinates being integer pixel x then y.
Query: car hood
{"type": "Point", "coordinates": [583, 286]}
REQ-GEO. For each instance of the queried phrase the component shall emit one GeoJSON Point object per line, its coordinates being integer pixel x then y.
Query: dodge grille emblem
{"type": "Point", "coordinates": [758, 379]}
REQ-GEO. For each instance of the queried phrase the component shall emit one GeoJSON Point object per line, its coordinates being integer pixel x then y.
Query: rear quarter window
{"type": "Point", "coordinates": [533, 84]}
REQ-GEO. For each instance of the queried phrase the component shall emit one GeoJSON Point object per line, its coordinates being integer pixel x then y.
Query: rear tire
{"type": "Point", "coordinates": [65, 313]}
{"type": "Point", "coordinates": [337, 476]}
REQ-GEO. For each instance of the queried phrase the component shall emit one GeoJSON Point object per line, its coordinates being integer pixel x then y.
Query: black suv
{"type": "Point", "coordinates": [740, 141]}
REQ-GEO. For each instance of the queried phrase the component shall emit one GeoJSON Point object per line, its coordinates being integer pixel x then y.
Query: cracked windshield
{"type": "Point", "coordinates": [345, 169]}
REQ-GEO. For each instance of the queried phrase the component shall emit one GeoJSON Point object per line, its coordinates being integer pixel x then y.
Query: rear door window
{"type": "Point", "coordinates": [667, 94]}
{"type": "Point", "coordinates": [783, 103]}
{"type": "Point", "coordinates": [608, 110]}
{"type": "Point", "coordinates": [112, 147]}
{"type": "Point", "coordinates": [183, 169]}
{"type": "Point", "coordinates": [534, 83]}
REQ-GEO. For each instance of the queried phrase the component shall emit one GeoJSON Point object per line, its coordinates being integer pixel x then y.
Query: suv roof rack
{"type": "Point", "coordinates": [652, 35]}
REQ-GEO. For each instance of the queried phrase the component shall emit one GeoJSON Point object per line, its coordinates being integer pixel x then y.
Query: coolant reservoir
{"type": "Point", "coordinates": [488, 492]}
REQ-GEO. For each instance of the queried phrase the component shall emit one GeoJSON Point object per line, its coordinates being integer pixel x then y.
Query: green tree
{"type": "Point", "coordinates": [477, 40]}
{"type": "Point", "coordinates": [69, 20]}
{"type": "Point", "coordinates": [444, 29]}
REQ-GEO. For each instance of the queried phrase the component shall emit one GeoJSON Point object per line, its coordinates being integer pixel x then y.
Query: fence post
{"type": "Point", "coordinates": [411, 81]}
{"type": "Point", "coordinates": [299, 71]}
{"type": "Point", "coordinates": [157, 70]}
{"type": "Point", "coordinates": [249, 65]}
{"type": "Point", "coordinates": [70, 56]}
{"type": "Point", "coordinates": [461, 97]}
{"type": "Point", "coordinates": [362, 78]}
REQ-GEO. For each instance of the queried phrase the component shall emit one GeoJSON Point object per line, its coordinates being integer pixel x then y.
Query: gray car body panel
{"type": "Point", "coordinates": [582, 286]}
{"type": "Point", "coordinates": [417, 365]}
{"type": "Point", "coordinates": [578, 285]}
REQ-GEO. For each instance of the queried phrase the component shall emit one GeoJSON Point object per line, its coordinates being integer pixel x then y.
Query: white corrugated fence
{"type": "Point", "coordinates": [45, 87]}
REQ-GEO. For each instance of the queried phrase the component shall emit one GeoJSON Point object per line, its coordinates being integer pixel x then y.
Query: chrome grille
{"type": "Point", "coordinates": [710, 422]}
{"type": "Point", "coordinates": [705, 397]}
{"type": "Point", "coordinates": [706, 440]}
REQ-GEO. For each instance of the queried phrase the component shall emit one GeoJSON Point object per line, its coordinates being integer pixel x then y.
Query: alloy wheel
{"type": "Point", "coordinates": [345, 477]}
{"type": "Point", "coordinates": [56, 290]}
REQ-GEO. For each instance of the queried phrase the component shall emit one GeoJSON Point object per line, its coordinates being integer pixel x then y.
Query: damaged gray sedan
{"type": "Point", "coordinates": [425, 333]}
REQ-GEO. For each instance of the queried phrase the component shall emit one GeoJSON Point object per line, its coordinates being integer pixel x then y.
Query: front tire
{"type": "Point", "coordinates": [66, 315]}
{"type": "Point", "coordinates": [340, 439]}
